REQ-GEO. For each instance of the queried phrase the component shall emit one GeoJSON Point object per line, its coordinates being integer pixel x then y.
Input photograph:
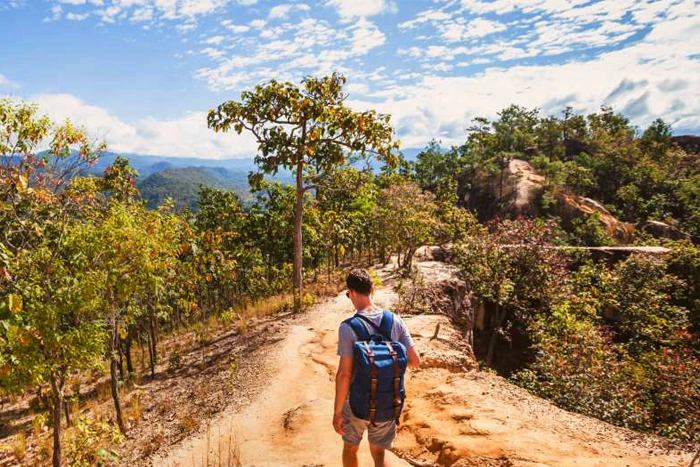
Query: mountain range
{"type": "Point", "coordinates": [162, 177]}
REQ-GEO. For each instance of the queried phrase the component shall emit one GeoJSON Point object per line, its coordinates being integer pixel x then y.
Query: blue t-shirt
{"type": "Point", "coordinates": [347, 337]}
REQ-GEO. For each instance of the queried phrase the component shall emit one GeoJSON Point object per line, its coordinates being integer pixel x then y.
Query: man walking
{"type": "Point", "coordinates": [351, 427]}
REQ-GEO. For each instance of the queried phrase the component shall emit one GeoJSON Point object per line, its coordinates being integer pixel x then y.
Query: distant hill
{"type": "Point", "coordinates": [182, 184]}
{"type": "Point", "coordinates": [179, 177]}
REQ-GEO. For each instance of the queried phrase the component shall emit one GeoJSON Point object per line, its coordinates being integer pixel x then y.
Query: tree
{"type": "Point", "coordinates": [405, 220]}
{"type": "Point", "coordinates": [47, 298]}
{"type": "Point", "coordinates": [308, 130]}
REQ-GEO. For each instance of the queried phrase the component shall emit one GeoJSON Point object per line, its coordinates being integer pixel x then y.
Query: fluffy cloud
{"type": "Point", "coordinates": [349, 9]}
{"type": "Point", "coordinates": [137, 11]}
{"type": "Point", "coordinates": [656, 77]}
{"type": "Point", "coordinates": [290, 51]}
{"type": "Point", "coordinates": [184, 137]}
{"type": "Point", "coordinates": [283, 11]}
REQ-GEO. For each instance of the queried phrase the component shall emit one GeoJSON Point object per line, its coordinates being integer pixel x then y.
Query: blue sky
{"type": "Point", "coordinates": [141, 74]}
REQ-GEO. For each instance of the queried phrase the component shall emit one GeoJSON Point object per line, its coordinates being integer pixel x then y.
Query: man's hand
{"type": "Point", "coordinates": [413, 358]}
{"type": "Point", "coordinates": [342, 387]}
{"type": "Point", "coordinates": [338, 423]}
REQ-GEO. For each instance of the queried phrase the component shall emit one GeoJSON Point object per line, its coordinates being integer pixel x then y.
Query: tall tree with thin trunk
{"type": "Point", "coordinates": [308, 130]}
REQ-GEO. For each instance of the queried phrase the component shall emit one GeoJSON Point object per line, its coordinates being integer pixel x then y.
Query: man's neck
{"type": "Point", "coordinates": [369, 306]}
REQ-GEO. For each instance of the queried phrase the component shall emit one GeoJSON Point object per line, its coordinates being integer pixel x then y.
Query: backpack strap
{"type": "Point", "coordinates": [359, 328]}
{"type": "Point", "coordinates": [374, 373]}
{"type": "Point", "coordinates": [387, 324]}
{"type": "Point", "coordinates": [397, 383]}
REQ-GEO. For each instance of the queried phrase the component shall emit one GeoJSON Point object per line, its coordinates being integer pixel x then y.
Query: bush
{"type": "Point", "coordinates": [91, 441]}
{"type": "Point", "coordinates": [617, 348]}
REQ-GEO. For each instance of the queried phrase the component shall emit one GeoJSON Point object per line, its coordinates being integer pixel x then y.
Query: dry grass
{"type": "Point", "coordinates": [187, 423]}
{"type": "Point", "coordinates": [135, 409]}
{"type": "Point", "coordinates": [227, 452]}
{"type": "Point", "coordinates": [19, 447]}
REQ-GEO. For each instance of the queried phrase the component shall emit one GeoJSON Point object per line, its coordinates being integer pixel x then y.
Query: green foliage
{"type": "Point", "coordinates": [308, 130]}
{"type": "Point", "coordinates": [513, 270]}
{"type": "Point", "coordinates": [404, 220]}
{"type": "Point", "coordinates": [614, 346]}
{"type": "Point", "coordinates": [91, 442]}
{"type": "Point", "coordinates": [598, 156]}
{"type": "Point", "coordinates": [590, 231]}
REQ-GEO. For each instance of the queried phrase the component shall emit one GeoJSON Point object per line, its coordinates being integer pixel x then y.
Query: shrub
{"type": "Point", "coordinates": [91, 441]}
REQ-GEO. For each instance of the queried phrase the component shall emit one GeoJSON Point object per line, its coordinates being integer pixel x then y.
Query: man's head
{"type": "Point", "coordinates": [360, 286]}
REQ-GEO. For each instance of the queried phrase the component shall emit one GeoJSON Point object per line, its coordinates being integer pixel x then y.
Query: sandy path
{"type": "Point", "coordinates": [290, 423]}
{"type": "Point", "coordinates": [452, 417]}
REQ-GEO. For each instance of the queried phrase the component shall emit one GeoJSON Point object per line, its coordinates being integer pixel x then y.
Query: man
{"type": "Point", "coordinates": [351, 428]}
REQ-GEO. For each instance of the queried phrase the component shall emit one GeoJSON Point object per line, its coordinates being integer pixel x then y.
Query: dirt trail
{"type": "Point", "coordinates": [290, 423]}
{"type": "Point", "coordinates": [452, 418]}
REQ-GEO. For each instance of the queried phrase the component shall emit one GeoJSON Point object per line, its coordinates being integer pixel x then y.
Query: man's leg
{"type": "Point", "coordinates": [378, 454]}
{"type": "Point", "coordinates": [350, 455]}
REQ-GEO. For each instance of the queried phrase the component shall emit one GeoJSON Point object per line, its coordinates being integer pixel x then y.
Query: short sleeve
{"type": "Point", "coordinates": [346, 340]}
{"type": "Point", "coordinates": [404, 336]}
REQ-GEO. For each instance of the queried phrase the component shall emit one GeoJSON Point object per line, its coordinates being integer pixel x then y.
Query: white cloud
{"type": "Point", "coordinates": [283, 11]}
{"type": "Point", "coordinates": [112, 11]}
{"type": "Point", "coordinates": [56, 12]}
{"type": "Point", "coordinates": [427, 16]}
{"type": "Point", "coordinates": [656, 77]}
{"type": "Point", "coordinates": [237, 28]}
{"type": "Point", "coordinates": [365, 37]}
{"type": "Point", "coordinates": [216, 40]}
{"type": "Point", "coordinates": [348, 9]}
{"type": "Point", "coordinates": [77, 17]}
{"type": "Point", "coordinates": [479, 27]}
{"type": "Point", "coordinates": [142, 15]}
{"type": "Point", "coordinates": [183, 137]}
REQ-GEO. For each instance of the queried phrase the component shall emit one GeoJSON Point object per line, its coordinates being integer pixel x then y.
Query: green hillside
{"type": "Point", "coordinates": [182, 185]}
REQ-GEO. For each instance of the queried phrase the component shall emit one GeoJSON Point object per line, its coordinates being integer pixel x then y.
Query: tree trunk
{"type": "Point", "coordinates": [113, 363]}
{"type": "Point", "coordinates": [298, 215]}
{"type": "Point", "coordinates": [57, 386]}
{"type": "Point", "coordinates": [121, 359]}
{"type": "Point", "coordinates": [154, 343]}
{"type": "Point", "coordinates": [499, 316]}
{"type": "Point", "coordinates": [127, 352]}
{"type": "Point", "coordinates": [150, 354]}
{"type": "Point", "coordinates": [408, 259]}
{"type": "Point", "coordinates": [66, 406]}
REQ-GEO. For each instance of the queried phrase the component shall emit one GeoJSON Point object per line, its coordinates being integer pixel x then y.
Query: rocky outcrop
{"type": "Point", "coordinates": [570, 207]}
{"type": "Point", "coordinates": [518, 190]}
{"type": "Point", "coordinates": [659, 229]}
{"type": "Point", "coordinates": [513, 192]}
{"type": "Point", "coordinates": [445, 293]}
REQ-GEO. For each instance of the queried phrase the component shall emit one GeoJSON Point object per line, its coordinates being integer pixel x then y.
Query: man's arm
{"type": "Point", "coordinates": [413, 357]}
{"type": "Point", "coordinates": [342, 386]}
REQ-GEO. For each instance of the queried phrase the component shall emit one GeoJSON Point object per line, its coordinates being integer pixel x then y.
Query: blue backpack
{"type": "Point", "coordinates": [377, 392]}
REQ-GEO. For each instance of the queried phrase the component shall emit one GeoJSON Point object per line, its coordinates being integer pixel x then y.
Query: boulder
{"type": "Point", "coordinates": [517, 192]}
{"type": "Point", "coordinates": [570, 206]}
{"type": "Point", "coordinates": [514, 192]}
{"type": "Point", "coordinates": [659, 229]}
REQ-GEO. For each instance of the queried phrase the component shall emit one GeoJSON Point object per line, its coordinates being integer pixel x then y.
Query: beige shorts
{"type": "Point", "coordinates": [381, 435]}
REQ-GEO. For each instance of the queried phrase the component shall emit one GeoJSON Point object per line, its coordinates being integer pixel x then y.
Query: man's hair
{"type": "Point", "coordinates": [360, 281]}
